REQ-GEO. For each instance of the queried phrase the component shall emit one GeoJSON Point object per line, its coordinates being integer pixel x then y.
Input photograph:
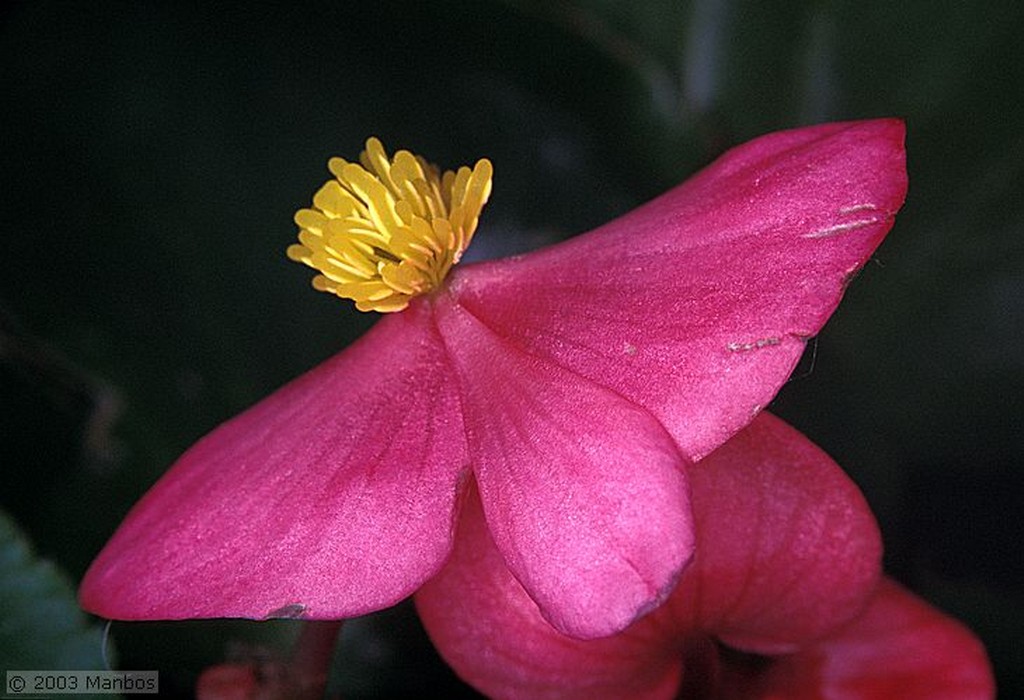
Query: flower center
{"type": "Point", "coordinates": [388, 230]}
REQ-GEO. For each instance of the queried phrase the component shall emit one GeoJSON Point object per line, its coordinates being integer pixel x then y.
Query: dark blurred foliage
{"type": "Point", "coordinates": [153, 154]}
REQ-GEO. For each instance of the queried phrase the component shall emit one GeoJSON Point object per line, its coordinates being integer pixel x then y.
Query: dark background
{"type": "Point", "coordinates": [152, 155]}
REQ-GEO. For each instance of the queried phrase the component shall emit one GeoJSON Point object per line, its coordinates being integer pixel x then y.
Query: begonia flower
{"type": "Point", "coordinates": [573, 385]}
{"type": "Point", "coordinates": [782, 600]}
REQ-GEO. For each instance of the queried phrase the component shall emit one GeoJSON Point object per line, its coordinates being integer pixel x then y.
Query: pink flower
{"type": "Point", "coordinates": [782, 600]}
{"type": "Point", "coordinates": [574, 385]}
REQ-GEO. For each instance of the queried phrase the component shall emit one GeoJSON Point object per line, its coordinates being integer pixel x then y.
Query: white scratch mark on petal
{"type": "Point", "coordinates": [840, 228]}
{"type": "Point", "coordinates": [755, 345]}
{"type": "Point", "coordinates": [867, 206]}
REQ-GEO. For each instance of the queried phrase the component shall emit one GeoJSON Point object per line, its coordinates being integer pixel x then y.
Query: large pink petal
{"type": "Point", "coordinates": [584, 491]}
{"type": "Point", "coordinates": [697, 305]}
{"type": "Point", "coordinates": [333, 497]}
{"type": "Point", "coordinates": [786, 551]}
{"type": "Point", "coordinates": [900, 647]}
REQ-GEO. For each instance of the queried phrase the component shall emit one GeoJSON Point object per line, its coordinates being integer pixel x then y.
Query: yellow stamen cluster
{"type": "Point", "coordinates": [388, 230]}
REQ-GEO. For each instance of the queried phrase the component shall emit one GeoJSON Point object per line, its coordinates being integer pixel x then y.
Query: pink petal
{"type": "Point", "coordinates": [786, 551]}
{"type": "Point", "coordinates": [583, 491]}
{"type": "Point", "coordinates": [333, 497]}
{"type": "Point", "coordinates": [900, 647]}
{"type": "Point", "coordinates": [787, 545]}
{"type": "Point", "coordinates": [490, 631]}
{"type": "Point", "coordinates": [697, 305]}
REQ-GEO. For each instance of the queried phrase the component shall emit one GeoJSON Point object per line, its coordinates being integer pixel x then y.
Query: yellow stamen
{"type": "Point", "coordinates": [388, 230]}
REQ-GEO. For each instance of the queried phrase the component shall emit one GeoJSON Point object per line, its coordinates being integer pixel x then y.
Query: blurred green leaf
{"type": "Point", "coordinates": [41, 626]}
